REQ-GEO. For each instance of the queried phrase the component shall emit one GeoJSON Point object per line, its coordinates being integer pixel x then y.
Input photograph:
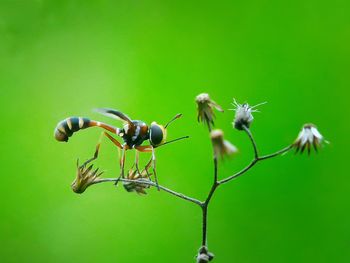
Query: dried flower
{"type": "Point", "coordinates": [243, 116]}
{"type": "Point", "coordinates": [205, 109]}
{"type": "Point", "coordinates": [309, 135]}
{"type": "Point", "coordinates": [135, 174]}
{"type": "Point", "coordinates": [221, 146]}
{"type": "Point", "coordinates": [204, 255]}
{"type": "Point", "coordinates": [85, 178]}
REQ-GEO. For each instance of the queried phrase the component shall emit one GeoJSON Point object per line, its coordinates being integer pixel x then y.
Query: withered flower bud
{"type": "Point", "coordinates": [221, 146]}
{"type": "Point", "coordinates": [243, 116]}
{"type": "Point", "coordinates": [85, 178]}
{"type": "Point", "coordinates": [205, 109]}
{"type": "Point", "coordinates": [204, 255]}
{"type": "Point", "coordinates": [137, 187]}
{"type": "Point", "coordinates": [308, 136]}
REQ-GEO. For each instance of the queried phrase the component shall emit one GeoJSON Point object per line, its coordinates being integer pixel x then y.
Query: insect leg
{"type": "Point", "coordinates": [122, 164]}
{"type": "Point", "coordinates": [98, 147]}
{"type": "Point", "coordinates": [154, 168]}
{"type": "Point", "coordinates": [148, 165]}
{"type": "Point", "coordinates": [137, 158]}
{"type": "Point", "coordinates": [116, 143]}
{"type": "Point", "coordinates": [146, 148]}
{"type": "Point", "coordinates": [96, 151]}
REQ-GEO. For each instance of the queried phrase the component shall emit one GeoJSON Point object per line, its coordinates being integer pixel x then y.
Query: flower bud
{"type": "Point", "coordinates": [308, 136]}
{"type": "Point", "coordinates": [205, 109]}
{"type": "Point", "coordinates": [221, 146]}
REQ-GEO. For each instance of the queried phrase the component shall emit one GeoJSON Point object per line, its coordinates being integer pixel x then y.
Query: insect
{"type": "Point", "coordinates": [133, 133]}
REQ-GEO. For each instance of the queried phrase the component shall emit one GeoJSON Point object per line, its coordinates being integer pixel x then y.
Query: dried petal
{"type": "Point", "coordinates": [138, 176]}
{"type": "Point", "coordinates": [85, 177]}
{"type": "Point", "coordinates": [221, 147]}
{"type": "Point", "coordinates": [205, 109]}
{"type": "Point", "coordinates": [308, 136]}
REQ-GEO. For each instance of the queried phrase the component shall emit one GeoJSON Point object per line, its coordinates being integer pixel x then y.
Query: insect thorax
{"type": "Point", "coordinates": [134, 135]}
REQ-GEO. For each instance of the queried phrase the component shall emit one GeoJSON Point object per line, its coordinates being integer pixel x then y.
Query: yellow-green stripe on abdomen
{"type": "Point", "coordinates": [67, 127]}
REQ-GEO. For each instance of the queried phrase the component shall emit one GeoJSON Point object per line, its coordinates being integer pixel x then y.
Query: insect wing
{"type": "Point", "coordinates": [115, 115]}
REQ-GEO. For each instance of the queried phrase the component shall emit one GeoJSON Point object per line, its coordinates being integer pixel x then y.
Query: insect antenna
{"type": "Point", "coordinates": [175, 140]}
{"type": "Point", "coordinates": [177, 116]}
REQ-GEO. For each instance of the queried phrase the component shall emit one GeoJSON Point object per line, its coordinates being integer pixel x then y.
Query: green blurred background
{"type": "Point", "coordinates": [150, 59]}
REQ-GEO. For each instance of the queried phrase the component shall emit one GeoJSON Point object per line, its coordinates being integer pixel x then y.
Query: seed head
{"type": "Point", "coordinates": [308, 136]}
{"type": "Point", "coordinates": [135, 174]}
{"type": "Point", "coordinates": [243, 116]}
{"type": "Point", "coordinates": [85, 177]}
{"type": "Point", "coordinates": [221, 146]}
{"type": "Point", "coordinates": [205, 109]}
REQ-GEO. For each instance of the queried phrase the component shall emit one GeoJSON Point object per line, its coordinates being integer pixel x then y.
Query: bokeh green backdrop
{"type": "Point", "coordinates": [150, 59]}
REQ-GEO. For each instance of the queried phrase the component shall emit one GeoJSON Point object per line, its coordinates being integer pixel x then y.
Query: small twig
{"type": "Point", "coordinates": [243, 171]}
{"type": "Point", "coordinates": [150, 183]}
{"type": "Point", "coordinates": [286, 149]}
{"type": "Point", "coordinates": [255, 160]}
{"type": "Point", "coordinates": [246, 129]}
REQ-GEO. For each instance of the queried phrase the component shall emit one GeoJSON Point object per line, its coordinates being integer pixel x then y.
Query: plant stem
{"type": "Point", "coordinates": [256, 158]}
{"type": "Point", "coordinates": [256, 153]}
{"type": "Point", "coordinates": [207, 201]}
{"type": "Point", "coordinates": [150, 183]}
{"type": "Point", "coordinates": [286, 149]}
{"type": "Point", "coordinates": [243, 171]}
{"type": "Point", "coordinates": [204, 224]}
{"type": "Point", "coordinates": [205, 204]}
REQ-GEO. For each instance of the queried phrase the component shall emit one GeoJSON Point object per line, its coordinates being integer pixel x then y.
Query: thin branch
{"type": "Point", "coordinates": [246, 129]}
{"type": "Point", "coordinates": [286, 149]}
{"type": "Point", "coordinates": [215, 183]}
{"type": "Point", "coordinates": [253, 162]}
{"type": "Point", "coordinates": [150, 183]}
{"type": "Point", "coordinates": [243, 171]}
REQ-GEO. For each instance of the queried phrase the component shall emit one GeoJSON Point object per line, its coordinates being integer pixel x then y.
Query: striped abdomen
{"type": "Point", "coordinates": [67, 127]}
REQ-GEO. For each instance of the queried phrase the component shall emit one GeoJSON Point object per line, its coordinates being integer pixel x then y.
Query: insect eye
{"type": "Point", "coordinates": [156, 134]}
